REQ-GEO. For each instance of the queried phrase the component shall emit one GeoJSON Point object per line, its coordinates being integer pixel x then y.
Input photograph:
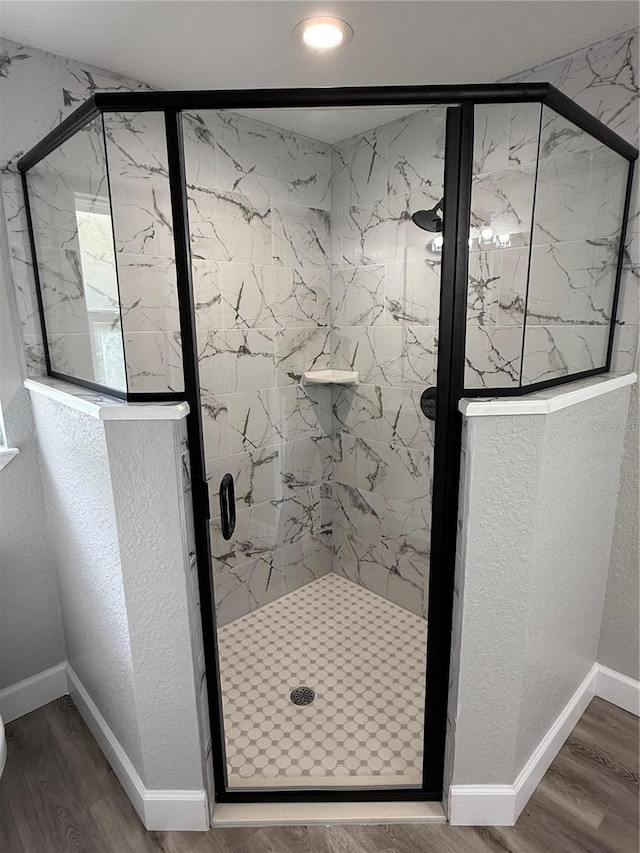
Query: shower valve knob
{"type": "Point", "coordinates": [428, 403]}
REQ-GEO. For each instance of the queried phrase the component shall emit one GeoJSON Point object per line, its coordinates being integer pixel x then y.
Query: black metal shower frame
{"type": "Point", "coordinates": [460, 102]}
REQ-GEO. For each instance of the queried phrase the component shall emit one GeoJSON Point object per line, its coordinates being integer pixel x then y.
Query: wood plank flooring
{"type": "Point", "coordinates": [58, 795]}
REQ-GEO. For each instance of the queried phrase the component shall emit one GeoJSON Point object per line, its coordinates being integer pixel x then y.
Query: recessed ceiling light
{"type": "Point", "coordinates": [325, 33]}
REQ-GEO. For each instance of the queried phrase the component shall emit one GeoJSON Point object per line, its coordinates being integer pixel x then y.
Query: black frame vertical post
{"type": "Point", "coordinates": [448, 433]}
{"type": "Point", "coordinates": [201, 512]}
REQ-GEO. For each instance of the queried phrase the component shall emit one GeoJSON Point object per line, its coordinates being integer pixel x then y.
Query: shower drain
{"type": "Point", "coordinates": [302, 696]}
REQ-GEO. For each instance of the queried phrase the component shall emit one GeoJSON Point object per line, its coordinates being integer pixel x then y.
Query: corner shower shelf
{"type": "Point", "coordinates": [331, 377]}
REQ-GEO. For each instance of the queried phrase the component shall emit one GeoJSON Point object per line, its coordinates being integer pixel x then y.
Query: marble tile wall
{"type": "Point", "coordinates": [574, 255]}
{"type": "Point", "coordinates": [291, 274]}
{"type": "Point", "coordinates": [72, 231]}
{"type": "Point", "coordinates": [259, 201]}
{"type": "Point", "coordinates": [504, 173]}
{"type": "Point", "coordinates": [602, 78]}
{"type": "Point", "coordinates": [385, 290]}
{"type": "Point", "coordinates": [145, 256]}
{"type": "Point", "coordinates": [52, 87]}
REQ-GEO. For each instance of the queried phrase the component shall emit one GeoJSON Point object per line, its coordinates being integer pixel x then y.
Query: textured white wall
{"type": "Point", "coordinates": [113, 493]}
{"type": "Point", "coordinates": [84, 536]}
{"type": "Point", "coordinates": [37, 90]}
{"type": "Point", "coordinates": [540, 507]}
{"type": "Point", "coordinates": [146, 481]}
{"type": "Point", "coordinates": [603, 79]}
{"type": "Point", "coordinates": [620, 632]}
{"type": "Point", "coordinates": [30, 624]}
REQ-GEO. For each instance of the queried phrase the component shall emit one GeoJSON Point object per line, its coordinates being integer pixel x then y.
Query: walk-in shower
{"type": "Point", "coordinates": [256, 254]}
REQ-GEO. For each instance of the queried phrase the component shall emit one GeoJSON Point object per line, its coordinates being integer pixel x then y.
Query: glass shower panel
{"type": "Point", "coordinates": [145, 255]}
{"type": "Point", "coordinates": [304, 258]}
{"type": "Point", "coordinates": [72, 229]}
{"type": "Point", "coordinates": [504, 168]}
{"type": "Point", "coordinates": [578, 221]}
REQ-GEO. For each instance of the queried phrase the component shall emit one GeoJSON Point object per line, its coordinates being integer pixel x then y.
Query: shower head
{"type": "Point", "coordinates": [429, 220]}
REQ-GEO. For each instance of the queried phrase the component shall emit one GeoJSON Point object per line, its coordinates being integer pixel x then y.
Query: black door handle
{"type": "Point", "coordinates": [227, 506]}
{"type": "Point", "coordinates": [428, 403]}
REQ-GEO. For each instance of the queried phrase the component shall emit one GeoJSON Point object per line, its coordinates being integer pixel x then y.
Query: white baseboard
{"type": "Point", "coordinates": [469, 805]}
{"type": "Point", "coordinates": [500, 805]}
{"type": "Point", "coordinates": [618, 689]}
{"type": "Point", "coordinates": [33, 693]}
{"type": "Point", "coordinates": [157, 809]}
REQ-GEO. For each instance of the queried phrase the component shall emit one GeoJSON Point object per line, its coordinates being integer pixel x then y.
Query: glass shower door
{"type": "Point", "coordinates": [305, 258]}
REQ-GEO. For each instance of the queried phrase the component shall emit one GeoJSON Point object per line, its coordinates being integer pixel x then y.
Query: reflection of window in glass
{"type": "Point", "coordinates": [97, 257]}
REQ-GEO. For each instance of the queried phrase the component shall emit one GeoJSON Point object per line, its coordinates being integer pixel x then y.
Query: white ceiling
{"type": "Point", "coordinates": [328, 124]}
{"type": "Point", "coordinates": [245, 44]}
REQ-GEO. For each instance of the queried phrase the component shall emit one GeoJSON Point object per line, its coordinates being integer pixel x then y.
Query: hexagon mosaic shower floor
{"type": "Point", "coordinates": [365, 659]}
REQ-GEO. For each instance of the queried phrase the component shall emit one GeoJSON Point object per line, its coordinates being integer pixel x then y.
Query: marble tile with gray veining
{"type": "Point", "coordinates": [271, 297]}
{"type": "Point", "coordinates": [271, 473]}
{"type": "Point", "coordinates": [256, 474]}
{"type": "Point", "coordinates": [413, 292]}
{"type": "Point", "coordinates": [301, 236]}
{"type": "Point", "coordinates": [153, 361]}
{"type": "Point", "coordinates": [503, 202]}
{"type": "Point", "coordinates": [264, 528]}
{"type": "Point", "coordinates": [554, 351]}
{"type": "Point", "coordinates": [215, 426]}
{"type": "Point", "coordinates": [299, 350]}
{"type": "Point", "coordinates": [383, 570]}
{"type": "Point", "coordinates": [363, 235]}
{"type": "Point", "coordinates": [301, 297]}
{"type": "Point", "coordinates": [242, 590]}
{"type": "Point", "coordinates": [392, 470]}
{"type": "Point", "coordinates": [383, 413]}
{"type": "Point", "coordinates": [305, 561]}
{"type": "Point", "coordinates": [199, 137]}
{"type": "Point", "coordinates": [264, 161]}
{"type": "Point", "coordinates": [602, 78]}
{"type": "Point", "coordinates": [139, 183]}
{"type": "Point", "coordinates": [360, 169]}
{"type": "Point", "coordinates": [288, 413]}
{"type": "Point", "coordinates": [572, 283]}
{"type": "Point", "coordinates": [80, 81]}
{"type": "Point", "coordinates": [229, 227]}
{"type": "Point", "coordinates": [505, 135]}
{"type": "Point", "coordinates": [27, 77]}
{"type": "Point", "coordinates": [497, 286]}
{"type": "Point", "coordinates": [403, 356]}
{"type": "Point", "coordinates": [381, 520]}
{"type": "Point", "coordinates": [62, 288]}
{"type": "Point", "coordinates": [358, 296]}
{"type": "Point", "coordinates": [416, 152]}
{"type": "Point", "coordinates": [236, 360]}
{"type": "Point", "coordinates": [579, 196]}
{"type": "Point", "coordinates": [34, 355]}
{"type": "Point", "coordinates": [206, 277]}
{"type": "Point", "coordinates": [148, 293]}
{"type": "Point", "coordinates": [306, 462]}
{"type": "Point", "coordinates": [492, 356]}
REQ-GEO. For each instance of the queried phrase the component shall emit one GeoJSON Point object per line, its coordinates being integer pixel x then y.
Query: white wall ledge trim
{"type": "Point", "coordinates": [101, 406]}
{"type": "Point", "coordinates": [548, 401]}
{"type": "Point", "coordinates": [6, 455]}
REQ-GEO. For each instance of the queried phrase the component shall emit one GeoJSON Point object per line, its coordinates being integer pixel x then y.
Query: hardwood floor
{"type": "Point", "coordinates": [58, 795]}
